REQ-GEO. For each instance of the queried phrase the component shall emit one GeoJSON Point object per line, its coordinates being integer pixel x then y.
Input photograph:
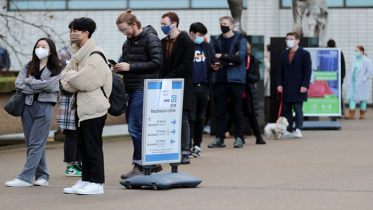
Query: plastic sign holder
{"type": "Point", "coordinates": [161, 136]}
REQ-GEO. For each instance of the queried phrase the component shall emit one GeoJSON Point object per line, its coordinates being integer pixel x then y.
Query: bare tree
{"type": "Point", "coordinates": [15, 27]}
{"type": "Point", "coordinates": [236, 7]}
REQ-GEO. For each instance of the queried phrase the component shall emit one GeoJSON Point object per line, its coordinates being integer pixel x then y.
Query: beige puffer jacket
{"type": "Point", "coordinates": [85, 75]}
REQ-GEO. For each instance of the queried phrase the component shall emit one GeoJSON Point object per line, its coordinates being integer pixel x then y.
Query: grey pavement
{"type": "Point", "coordinates": [323, 170]}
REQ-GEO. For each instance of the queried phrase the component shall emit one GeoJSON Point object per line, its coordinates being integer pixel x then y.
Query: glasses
{"type": "Point", "coordinates": [125, 30]}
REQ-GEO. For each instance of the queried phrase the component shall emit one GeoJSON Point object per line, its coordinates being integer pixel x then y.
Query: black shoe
{"type": "Point", "coordinates": [238, 143]}
{"type": "Point", "coordinates": [185, 159]}
{"type": "Point", "coordinates": [217, 143]}
{"type": "Point", "coordinates": [260, 140]}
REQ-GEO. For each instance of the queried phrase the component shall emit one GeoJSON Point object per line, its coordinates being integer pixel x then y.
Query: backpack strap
{"type": "Point", "coordinates": [100, 53]}
{"type": "Point", "coordinates": [103, 56]}
{"type": "Point", "coordinates": [216, 45]}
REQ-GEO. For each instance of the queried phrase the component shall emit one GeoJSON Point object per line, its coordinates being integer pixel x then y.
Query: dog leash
{"type": "Point", "coordinates": [279, 97]}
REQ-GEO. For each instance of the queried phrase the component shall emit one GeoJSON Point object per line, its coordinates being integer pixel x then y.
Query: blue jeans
{"type": "Point", "coordinates": [134, 119]}
{"type": "Point", "coordinates": [287, 112]}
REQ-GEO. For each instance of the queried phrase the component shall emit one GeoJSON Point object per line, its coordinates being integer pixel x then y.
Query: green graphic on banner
{"type": "Point", "coordinates": [327, 105]}
{"type": "Point", "coordinates": [327, 76]}
{"type": "Point", "coordinates": [324, 91]}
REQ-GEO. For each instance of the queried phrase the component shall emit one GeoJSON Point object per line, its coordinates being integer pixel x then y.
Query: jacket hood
{"type": "Point", "coordinates": [147, 30]}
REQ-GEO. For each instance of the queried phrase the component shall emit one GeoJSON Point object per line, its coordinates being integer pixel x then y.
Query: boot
{"type": "Point", "coordinates": [134, 172]}
{"type": "Point", "coordinates": [137, 170]}
{"type": "Point", "coordinates": [362, 114]}
{"type": "Point", "coordinates": [259, 140]}
{"type": "Point", "coordinates": [351, 115]}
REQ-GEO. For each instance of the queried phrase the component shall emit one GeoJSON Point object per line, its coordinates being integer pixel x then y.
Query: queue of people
{"type": "Point", "coordinates": [80, 76]}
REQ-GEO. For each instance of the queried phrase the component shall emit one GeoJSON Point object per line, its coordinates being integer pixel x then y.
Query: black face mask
{"type": "Point", "coordinates": [224, 29]}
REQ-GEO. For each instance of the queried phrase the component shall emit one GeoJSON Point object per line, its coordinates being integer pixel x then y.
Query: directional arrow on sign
{"type": "Point", "coordinates": [173, 131]}
{"type": "Point", "coordinates": [172, 141]}
{"type": "Point", "coordinates": [173, 122]}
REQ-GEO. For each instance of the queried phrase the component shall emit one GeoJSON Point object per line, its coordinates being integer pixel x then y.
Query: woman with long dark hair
{"type": "Point", "coordinates": [38, 80]}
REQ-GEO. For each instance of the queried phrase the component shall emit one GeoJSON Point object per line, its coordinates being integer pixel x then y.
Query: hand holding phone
{"type": "Point", "coordinates": [112, 61]}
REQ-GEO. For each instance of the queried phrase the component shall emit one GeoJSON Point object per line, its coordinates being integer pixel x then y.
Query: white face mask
{"type": "Point", "coordinates": [290, 43]}
{"type": "Point", "coordinates": [41, 53]}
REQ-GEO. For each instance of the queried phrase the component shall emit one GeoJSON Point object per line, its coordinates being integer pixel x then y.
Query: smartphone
{"type": "Point", "coordinates": [112, 61]}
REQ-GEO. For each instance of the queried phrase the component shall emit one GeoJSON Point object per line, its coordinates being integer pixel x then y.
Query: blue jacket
{"type": "Point", "coordinates": [235, 73]}
{"type": "Point", "coordinates": [292, 76]}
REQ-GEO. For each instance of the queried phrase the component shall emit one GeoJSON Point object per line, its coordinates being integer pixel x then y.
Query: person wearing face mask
{"type": "Point", "coordinates": [38, 80]}
{"type": "Point", "coordinates": [178, 56]}
{"type": "Point", "coordinates": [142, 59]}
{"type": "Point", "coordinates": [203, 58]}
{"type": "Point", "coordinates": [293, 79]}
{"type": "Point", "coordinates": [358, 81]}
{"type": "Point", "coordinates": [229, 79]}
{"type": "Point", "coordinates": [89, 78]}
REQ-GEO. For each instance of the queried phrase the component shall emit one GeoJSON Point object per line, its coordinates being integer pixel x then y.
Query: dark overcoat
{"type": "Point", "coordinates": [180, 64]}
{"type": "Point", "coordinates": [292, 76]}
{"type": "Point", "coordinates": [252, 77]}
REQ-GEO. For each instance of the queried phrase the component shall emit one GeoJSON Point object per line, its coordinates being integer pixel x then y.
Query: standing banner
{"type": "Point", "coordinates": [162, 116]}
{"type": "Point", "coordinates": [324, 93]}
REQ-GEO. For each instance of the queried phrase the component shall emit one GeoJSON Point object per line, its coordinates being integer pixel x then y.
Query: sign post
{"type": "Point", "coordinates": [161, 135]}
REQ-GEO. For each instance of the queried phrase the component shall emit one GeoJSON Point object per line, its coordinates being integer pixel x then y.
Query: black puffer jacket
{"type": "Point", "coordinates": [252, 77]}
{"type": "Point", "coordinates": [144, 54]}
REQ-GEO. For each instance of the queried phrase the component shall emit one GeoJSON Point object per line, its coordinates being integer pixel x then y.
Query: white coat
{"type": "Point", "coordinates": [84, 76]}
{"type": "Point", "coordinates": [362, 82]}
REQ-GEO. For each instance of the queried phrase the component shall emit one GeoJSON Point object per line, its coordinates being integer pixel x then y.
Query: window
{"type": "Point", "coordinates": [336, 3]}
{"type": "Point", "coordinates": [116, 4]}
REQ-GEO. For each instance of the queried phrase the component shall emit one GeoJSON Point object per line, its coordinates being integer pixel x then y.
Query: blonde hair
{"type": "Point", "coordinates": [248, 48]}
{"type": "Point", "coordinates": [128, 18]}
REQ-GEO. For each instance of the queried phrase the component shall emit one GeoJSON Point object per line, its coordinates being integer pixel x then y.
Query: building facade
{"type": "Point", "coordinates": [348, 21]}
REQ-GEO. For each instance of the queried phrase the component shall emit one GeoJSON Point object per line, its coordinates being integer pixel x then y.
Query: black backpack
{"type": "Point", "coordinates": [118, 97]}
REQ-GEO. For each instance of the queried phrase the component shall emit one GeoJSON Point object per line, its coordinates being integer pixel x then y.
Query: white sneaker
{"type": "Point", "coordinates": [79, 185]}
{"type": "Point", "coordinates": [207, 129]}
{"type": "Point", "coordinates": [41, 182]}
{"type": "Point", "coordinates": [287, 134]}
{"type": "Point", "coordinates": [17, 183]}
{"type": "Point", "coordinates": [298, 133]}
{"type": "Point", "coordinates": [91, 189]}
{"type": "Point", "coordinates": [196, 151]}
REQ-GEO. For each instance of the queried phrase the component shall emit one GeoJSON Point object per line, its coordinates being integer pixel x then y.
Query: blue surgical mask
{"type": "Point", "coordinates": [199, 39]}
{"type": "Point", "coordinates": [166, 29]}
{"type": "Point", "coordinates": [357, 54]}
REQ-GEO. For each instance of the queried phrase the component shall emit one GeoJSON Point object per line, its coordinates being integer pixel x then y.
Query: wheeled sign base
{"type": "Point", "coordinates": [161, 181]}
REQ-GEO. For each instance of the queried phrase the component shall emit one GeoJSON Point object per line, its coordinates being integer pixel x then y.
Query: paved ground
{"type": "Point", "coordinates": [323, 170]}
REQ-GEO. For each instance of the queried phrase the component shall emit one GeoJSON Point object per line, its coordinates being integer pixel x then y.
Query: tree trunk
{"type": "Point", "coordinates": [236, 10]}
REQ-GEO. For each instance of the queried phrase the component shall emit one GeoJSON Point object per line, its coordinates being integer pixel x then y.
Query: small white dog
{"type": "Point", "coordinates": [277, 129]}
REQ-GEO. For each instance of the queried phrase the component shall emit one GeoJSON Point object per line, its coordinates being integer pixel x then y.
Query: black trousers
{"type": "Point", "coordinates": [200, 99]}
{"type": "Point", "coordinates": [221, 93]}
{"type": "Point", "coordinates": [89, 138]}
{"type": "Point", "coordinates": [70, 148]}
